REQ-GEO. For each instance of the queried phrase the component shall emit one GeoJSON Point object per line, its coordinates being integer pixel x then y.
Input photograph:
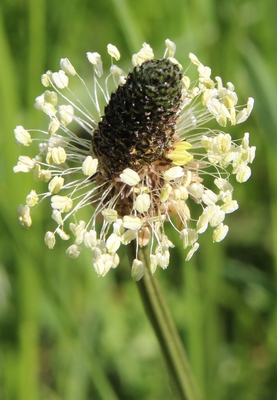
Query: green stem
{"type": "Point", "coordinates": [166, 332]}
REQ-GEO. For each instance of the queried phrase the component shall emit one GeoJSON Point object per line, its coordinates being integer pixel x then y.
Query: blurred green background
{"type": "Point", "coordinates": [66, 334]}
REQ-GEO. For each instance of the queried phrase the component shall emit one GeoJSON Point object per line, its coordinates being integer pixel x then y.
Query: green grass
{"type": "Point", "coordinates": [66, 334]}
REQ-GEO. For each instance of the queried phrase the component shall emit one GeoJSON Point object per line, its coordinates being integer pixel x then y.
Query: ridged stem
{"type": "Point", "coordinates": [166, 332]}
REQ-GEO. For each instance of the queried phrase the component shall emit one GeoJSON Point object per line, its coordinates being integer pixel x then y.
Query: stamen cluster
{"type": "Point", "coordinates": [146, 158]}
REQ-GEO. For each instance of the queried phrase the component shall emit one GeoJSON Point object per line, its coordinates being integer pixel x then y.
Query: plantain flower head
{"type": "Point", "coordinates": [146, 159]}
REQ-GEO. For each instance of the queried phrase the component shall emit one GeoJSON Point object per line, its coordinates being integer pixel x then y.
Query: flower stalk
{"type": "Point", "coordinates": [182, 379]}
